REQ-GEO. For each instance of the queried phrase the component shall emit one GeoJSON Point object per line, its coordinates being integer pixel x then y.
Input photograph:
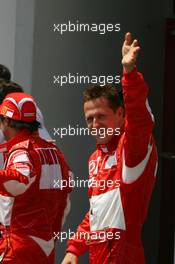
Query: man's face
{"type": "Point", "coordinates": [2, 125]}
{"type": "Point", "coordinates": [100, 117]}
{"type": "Point", "coordinates": [5, 128]}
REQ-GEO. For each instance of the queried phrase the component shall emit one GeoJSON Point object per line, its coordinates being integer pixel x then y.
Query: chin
{"type": "Point", "coordinates": [104, 140]}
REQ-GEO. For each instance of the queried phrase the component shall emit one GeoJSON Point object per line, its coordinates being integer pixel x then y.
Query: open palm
{"type": "Point", "coordinates": [130, 51]}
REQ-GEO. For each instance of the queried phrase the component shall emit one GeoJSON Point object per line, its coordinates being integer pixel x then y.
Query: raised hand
{"type": "Point", "coordinates": [130, 52]}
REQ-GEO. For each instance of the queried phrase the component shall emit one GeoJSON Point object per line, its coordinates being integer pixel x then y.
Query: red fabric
{"type": "Point", "coordinates": [21, 249]}
{"type": "Point", "coordinates": [30, 204]}
{"type": "Point", "coordinates": [19, 106]}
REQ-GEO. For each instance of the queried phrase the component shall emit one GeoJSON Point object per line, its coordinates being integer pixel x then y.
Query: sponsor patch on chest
{"type": "Point", "coordinates": [102, 163]}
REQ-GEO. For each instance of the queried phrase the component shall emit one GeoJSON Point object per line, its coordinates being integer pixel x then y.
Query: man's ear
{"type": "Point", "coordinates": [120, 111]}
{"type": "Point", "coordinates": [6, 121]}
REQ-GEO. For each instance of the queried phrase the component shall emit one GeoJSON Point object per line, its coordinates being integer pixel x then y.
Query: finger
{"type": "Point", "coordinates": [135, 53]}
{"type": "Point", "coordinates": [128, 38]}
{"type": "Point", "coordinates": [136, 50]}
{"type": "Point", "coordinates": [134, 43]}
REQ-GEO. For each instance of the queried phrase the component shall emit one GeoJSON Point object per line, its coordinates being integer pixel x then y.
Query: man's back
{"type": "Point", "coordinates": [32, 209]}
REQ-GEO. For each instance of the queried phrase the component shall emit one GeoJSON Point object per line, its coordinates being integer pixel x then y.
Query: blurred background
{"type": "Point", "coordinates": [34, 53]}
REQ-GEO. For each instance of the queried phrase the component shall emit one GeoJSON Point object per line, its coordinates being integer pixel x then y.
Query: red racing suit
{"type": "Point", "coordinates": [31, 202]}
{"type": "Point", "coordinates": [122, 176]}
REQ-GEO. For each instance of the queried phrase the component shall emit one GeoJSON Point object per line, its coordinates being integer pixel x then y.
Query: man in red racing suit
{"type": "Point", "coordinates": [31, 202]}
{"type": "Point", "coordinates": [122, 171]}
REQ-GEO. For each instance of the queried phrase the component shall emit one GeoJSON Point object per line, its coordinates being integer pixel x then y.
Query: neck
{"type": "Point", "coordinates": [10, 133]}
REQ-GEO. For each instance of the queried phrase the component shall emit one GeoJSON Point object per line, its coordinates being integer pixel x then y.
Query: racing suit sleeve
{"type": "Point", "coordinates": [139, 123]}
{"type": "Point", "coordinates": [63, 201]}
{"type": "Point", "coordinates": [66, 210]}
{"type": "Point", "coordinates": [77, 243]}
{"type": "Point", "coordinates": [18, 174]}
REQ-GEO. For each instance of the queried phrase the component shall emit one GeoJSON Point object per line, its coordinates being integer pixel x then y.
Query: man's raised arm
{"type": "Point", "coordinates": [139, 120]}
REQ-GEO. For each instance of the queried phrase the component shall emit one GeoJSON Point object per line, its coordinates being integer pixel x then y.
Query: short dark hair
{"type": "Point", "coordinates": [7, 87]}
{"type": "Point", "coordinates": [19, 125]}
{"type": "Point", "coordinates": [109, 91]}
{"type": "Point", "coordinates": [5, 73]}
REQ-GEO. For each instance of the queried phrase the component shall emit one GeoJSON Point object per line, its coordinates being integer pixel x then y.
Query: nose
{"type": "Point", "coordinates": [95, 123]}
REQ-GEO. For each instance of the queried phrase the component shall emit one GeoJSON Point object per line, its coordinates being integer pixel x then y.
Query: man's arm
{"type": "Point", "coordinates": [77, 244]}
{"type": "Point", "coordinates": [138, 142]}
{"type": "Point", "coordinates": [18, 175]}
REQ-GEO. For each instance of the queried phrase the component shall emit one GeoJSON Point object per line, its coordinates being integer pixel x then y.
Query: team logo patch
{"type": "Point", "coordinates": [92, 166]}
{"type": "Point", "coordinates": [7, 112]}
{"type": "Point", "coordinates": [4, 110]}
